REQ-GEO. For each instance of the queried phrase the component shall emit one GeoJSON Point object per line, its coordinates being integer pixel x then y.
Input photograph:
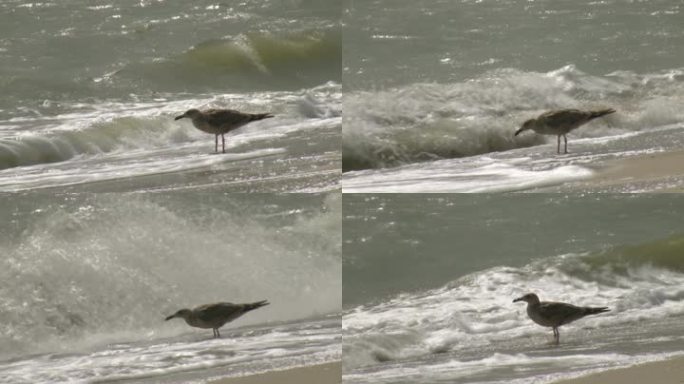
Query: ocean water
{"type": "Point", "coordinates": [434, 91]}
{"type": "Point", "coordinates": [90, 92]}
{"type": "Point", "coordinates": [429, 281]}
{"type": "Point", "coordinates": [87, 280]}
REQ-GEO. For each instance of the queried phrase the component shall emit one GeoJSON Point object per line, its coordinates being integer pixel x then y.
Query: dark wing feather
{"type": "Point", "coordinates": [219, 117]}
{"type": "Point", "coordinates": [564, 117]}
{"type": "Point", "coordinates": [213, 312]}
{"type": "Point", "coordinates": [560, 313]}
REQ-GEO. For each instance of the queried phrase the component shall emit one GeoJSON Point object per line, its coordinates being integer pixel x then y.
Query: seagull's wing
{"type": "Point", "coordinates": [220, 117]}
{"type": "Point", "coordinates": [212, 312]}
{"type": "Point", "coordinates": [560, 313]}
{"type": "Point", "coordinates": [565, 117]}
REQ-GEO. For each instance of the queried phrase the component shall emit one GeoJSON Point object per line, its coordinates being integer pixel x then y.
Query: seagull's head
{"type": "Point", "coordinates": [183, 313]}
{"type": "Point", "coordinates": [529, 298]}
{"type": "Point", "coordinates": [191, 113]}
{"type": "Point", "coordinates": [529, 124]}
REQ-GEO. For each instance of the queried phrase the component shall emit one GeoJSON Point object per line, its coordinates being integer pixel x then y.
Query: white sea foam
{"type": "Point", "coordinates": [518, 169]}
{"type": "Point", "coordinates": [246, 351]}
{"type": "Point", "coordinates": [421, 123]}
{"type": "Point", "coordinates": [110, 141]}
{"type": "Point", "coordinates": [104, 265]}
{"type": "Point", "coordinates": [471, 327]}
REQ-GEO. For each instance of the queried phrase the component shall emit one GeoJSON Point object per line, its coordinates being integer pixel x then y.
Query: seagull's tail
{"type": "Point", "coordinates": [259, 116]}
{"type": "Point", "coordinates": [595, 310]}
{"type": "Point", "coordinates": [600, 112]}
{"type": "Point", "coordinates": [258, 304]}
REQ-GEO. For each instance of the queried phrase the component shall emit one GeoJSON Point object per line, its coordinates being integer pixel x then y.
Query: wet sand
{"type": "Point", "coordinates": [656, 172]}
{"type": "Point", "coordinates": [648, 168]}
{"type": "Point", "coordinates": [330, 373]}
{"type": "Point", "coordinates": [659, 372]}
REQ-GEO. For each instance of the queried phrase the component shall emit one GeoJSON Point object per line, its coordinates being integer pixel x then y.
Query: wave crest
{"type": "Point", "coordinates": [420, 122]}
{"type": "Point", "coordinates": [637, 282]}
{"type": "Point", "coordinates": [249, 61]}
{"type": "Point", "coordinates": [100, 137]}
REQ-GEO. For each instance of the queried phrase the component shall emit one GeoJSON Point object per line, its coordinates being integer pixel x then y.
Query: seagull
{"type": "Point", "coordinates": [551, 314]}
{"type": "Point", "coordinates": [214, 316]}
{"type": "Point", "coordinates": [221, 121]}
{"type": "Point", "coordinates": [561, 122]}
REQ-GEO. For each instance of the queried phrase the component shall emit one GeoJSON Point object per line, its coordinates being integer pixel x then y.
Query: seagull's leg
{"type": "Point", "coordinates": [558, 147]}
{"type": "Point", "coordinates": [223, 143]}
{"type": "Point", "coordinates": [566, 143]}
{"type": "Point", "coordinates": [556, 335]}
{"type": "Point", "coordinates": [218, 334]}
{"type": "Point", "coordinates": [216, 143]}
{"type": "Point", "coordinates": [213, 331]}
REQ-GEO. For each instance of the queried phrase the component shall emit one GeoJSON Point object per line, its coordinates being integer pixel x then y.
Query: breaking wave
{"type": "Point", "coordinates": [252, 61]}
{"type": "Point", "coordinates": [100, 137]}
{"type": "Point", "coordinates": [474, 312]}
{"type": "Point", "coordinates": [422, 122]}
{"type": "Point", "coordinates": [80, 270]}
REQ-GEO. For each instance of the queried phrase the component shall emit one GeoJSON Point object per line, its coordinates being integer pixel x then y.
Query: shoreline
{"type": "Point", "coordinates": [640, 169]}
{"type": "Point", "coordinates": [669, 371]}
{"type": "Point", "coordinates": [327, 373]}
{"type": "Point", "coordinates": [661, 172]}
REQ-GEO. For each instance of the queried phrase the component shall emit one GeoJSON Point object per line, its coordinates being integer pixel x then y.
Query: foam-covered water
{"type": "Point", "coordinates": [444, 312]}
{"type": "Point", "coordinates": [473, 318]}
{"type": "Point", "coordinates": [422, 122]}
{"type": "Point", "coordinates": [439, 138]}
{"type": "Point", "coordinates": [454, 81]}
{"type": "Point", "coordinates": [91, 92]}
{"type": "Point", "coordinates": [89, 279]}
{"type": "Point", "coordinates": [188, 358]}
{"type": "Point", "coordinates": [115, 141]}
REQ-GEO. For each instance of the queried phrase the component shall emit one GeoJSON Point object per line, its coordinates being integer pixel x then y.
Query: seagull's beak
{"type": "Point", "coordinates": [174, 315]}
{"type": "Point", "coordinates": [516, 132]}
{"type": "Point", "coordinates": [178, 118]}
{"type": "Point", "coordinates": [516, 300]}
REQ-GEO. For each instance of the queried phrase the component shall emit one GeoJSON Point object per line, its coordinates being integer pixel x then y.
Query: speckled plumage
{"type": "Point", "coordinates": [221, 121]}
{"type": "Point", "coordinates": [561, 122]}
{"type": "Point", "coordinates": [215, 315]}
{"type": "Point", "coordinates": [553, 314]}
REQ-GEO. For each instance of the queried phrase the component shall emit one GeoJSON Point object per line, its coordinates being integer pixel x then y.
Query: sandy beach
{"type": "Point", "coordinates": [648, 168]}
{"type": "Point", "coordinates": [658, 372]}
{"type": "Point", "coordinates": [330, 373]}
{"type": "Point", "coordinates": [656, 172]}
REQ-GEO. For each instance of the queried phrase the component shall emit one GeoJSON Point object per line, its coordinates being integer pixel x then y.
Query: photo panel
{"type": "Point", "coordinates": [170, 287]}
{"type": "Point", "coordinates": [493, 288]}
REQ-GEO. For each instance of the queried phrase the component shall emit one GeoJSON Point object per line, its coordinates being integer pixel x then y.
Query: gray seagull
{"type": "Point", "coordinates": [221, 121]}
{"type": "Point", "coordinates": [214, 316]}
{"type": "Point", "coordinates": [561, 122]}
{"type": "Point", "coordinates": [551, 314]}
